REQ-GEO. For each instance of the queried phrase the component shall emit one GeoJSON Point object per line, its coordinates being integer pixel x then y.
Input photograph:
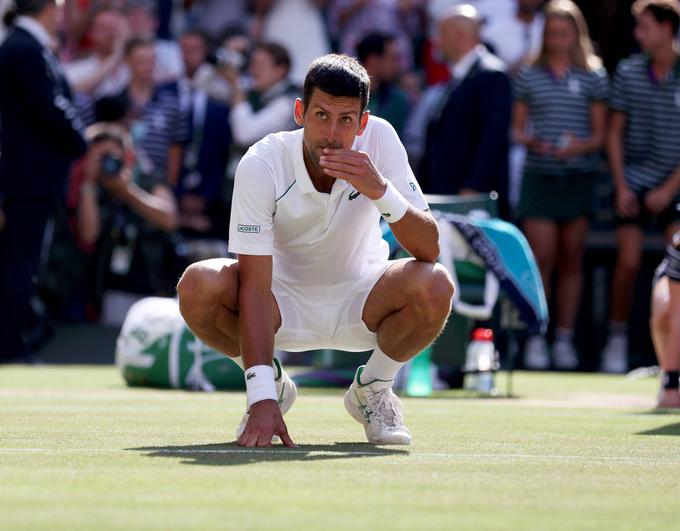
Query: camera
{"type": "Point", "coordinates": [110, 165]}
{"type": "Point", "coordinates": [227, 58]}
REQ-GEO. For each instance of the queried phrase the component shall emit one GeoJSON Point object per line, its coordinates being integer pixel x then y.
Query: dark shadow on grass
{"type": "Point", "coordinates": [669, 429]}
{"type": "Point", "coordinates": [230, 454]}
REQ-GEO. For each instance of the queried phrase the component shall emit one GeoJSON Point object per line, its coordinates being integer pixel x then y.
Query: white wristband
{"type": "Point", "coordinates": [260, 384]}
{"type": "Point", "coordinates": [392, 205]}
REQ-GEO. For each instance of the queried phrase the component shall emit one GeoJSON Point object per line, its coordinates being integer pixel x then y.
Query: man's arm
{"type": "Point", "coordinates": [416, 231]}
{"type": "Point", "coordinates": [53, 117]}
{"type": "Point", "coordinates": [256, 334]}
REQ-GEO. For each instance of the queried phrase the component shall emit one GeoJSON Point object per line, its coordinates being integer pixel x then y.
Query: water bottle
{"type": "Point", "coordinates": [481, 361]}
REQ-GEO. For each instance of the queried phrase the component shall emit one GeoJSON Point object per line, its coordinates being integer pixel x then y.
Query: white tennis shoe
{"type": "Point", "coordinates": [374, 405]}
{"type": "Point", "coordinates": [287, 393]}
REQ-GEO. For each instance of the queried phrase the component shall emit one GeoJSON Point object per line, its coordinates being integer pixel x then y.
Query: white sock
{"type": "Point", "coordinates": [239, 361]}
{"type": "Point", "coordinates": [617, 329]}
{"type": "Point", "coordinates": [380, 367]}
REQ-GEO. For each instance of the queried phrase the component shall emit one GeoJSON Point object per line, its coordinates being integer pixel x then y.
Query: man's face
{"type": "Point", "coordinates": [105, 30]}
{"type": "Point", "coordinates": [141, 62]}
{"type": "Point", "coordinates": [650, 34]}
{"type": "Point", "coordinates": [142, 22]}
{"type": "Point", "coordinates": [193, 52]}
{"type": "Point", "coordinates": [264, 72]}
{"type": "Point", "coordinates": [391, 62]}
{"type": "Point", "coordinates": [329, 121]}
{"type": "Point", "coordinates": [451, 39]}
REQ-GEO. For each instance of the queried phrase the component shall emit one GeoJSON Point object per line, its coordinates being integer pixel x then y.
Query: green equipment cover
{"type": "Point", "coordinates": [155, 348]}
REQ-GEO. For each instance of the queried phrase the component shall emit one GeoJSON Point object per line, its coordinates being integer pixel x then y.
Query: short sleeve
{"type": "Point", "coordinates": [252, 208]}
{"type": "Point", "coordinates": [393, 165]}
{"type": "Point", "coordinates": [521, 88]}
{"type": "Point", "coordinates": [599, 86]}
{"type": "Point", "coordinates": [619, 95]}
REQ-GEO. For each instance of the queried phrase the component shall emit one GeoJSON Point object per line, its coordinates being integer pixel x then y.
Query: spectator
{"type": "Point", "coordinates": [103, 73]}
{"type": "Point", "coordinates": [40, 137]}
{"type": "Point", "coordinates": [202, 201]}
{"type": "Point", "coordinates": [5, 6]}
{"type": "Point", "coordinates": [379, 55]}
{"type": "Point", "coordinates": [122, 215]}
{"type": "Point", "coordinates": [516, 39]}
{"type": "Point", "coordinates": [268, 106]}
{"type": "Point", "coordinates": [158, 125]}
{"type": "Point", "coordinates": [303, 46]}
{"type": "Point", "coordinates": [644, 155]}
{"type": "Point", "coordinates": [214, 16]}
{"type": "Point", "coordinates": [564, 96]}
{"type": "Point", "coordinates": [143, 22]}
{"type": "Point", "coordinates": [350, 20]}
{"type": "Point", "coordinates": [198, 73]}
{"type": "Point", "coordinates": [466, 150]}
{"type": "Point", "coordinates": [665, 323]}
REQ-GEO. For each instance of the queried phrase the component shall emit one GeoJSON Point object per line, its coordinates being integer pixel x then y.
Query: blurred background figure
{"type": "Point", "coordinates": [202, 190]}
{"type": "Point", "coordinates": [40, 137]}
{"type": "Point", "coordinates": [379, 55]}
{"type": "Point", "coordinates": [103, 72]}
{"type": "Point", "coordinates": [277, 19]}
{"type": "Point", "coordinates": [159, 127]}
{"type": "Point", "coordinates": [350, 20]}
{"type": "Point", "coordinates": [266, 106]}
{"type": "Point", "coordinates": [564, 95]}
{"type": "Point", "coordinates": [644, 156]}
{"type": "Point", "coordinates": [467, 139]}
{"type": "Point", "coordinates": [143, 22]}
{"type": "Point", "coordinates": [665, 323]}
{"type": "Point", "coordinates": [516, 39]}
{"type": "Point", "coordinates": [5, 6]}
{"type": "Point", "coordinates": [122, 217]}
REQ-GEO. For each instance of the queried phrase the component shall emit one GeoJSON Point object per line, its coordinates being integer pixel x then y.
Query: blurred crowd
{"type": "Point", "coordinates": [125, 176]}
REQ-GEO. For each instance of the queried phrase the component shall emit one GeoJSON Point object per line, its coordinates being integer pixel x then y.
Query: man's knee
{"type": "Point", "coordinates": [202, 287]}
{"type": "Point", "coordinates": [434, 293]}
{"type": "Point", "coordinates": [660, 311]}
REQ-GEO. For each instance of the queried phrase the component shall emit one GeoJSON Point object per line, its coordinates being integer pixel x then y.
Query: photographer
{"type": "Point", "coordinates": [124, 218]}
{"type": "Point", "coordinates": [267, 106]}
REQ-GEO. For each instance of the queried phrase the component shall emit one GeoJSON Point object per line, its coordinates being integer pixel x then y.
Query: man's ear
{"type": "Point", "coordinates": [299, 111]}
{"type": "Point", "coordinates": [363, 122]}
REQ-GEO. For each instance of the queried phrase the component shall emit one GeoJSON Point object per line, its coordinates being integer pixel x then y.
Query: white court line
{"type": "Point", "coordinates": [340, 454]}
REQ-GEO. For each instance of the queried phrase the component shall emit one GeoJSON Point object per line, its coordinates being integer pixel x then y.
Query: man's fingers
{"type": "Point", "coordinates": [337, 174]}
{"type": "Point", "coordinates": [286, 440]}
{"type": "Point", "coordinates": [339, 166]}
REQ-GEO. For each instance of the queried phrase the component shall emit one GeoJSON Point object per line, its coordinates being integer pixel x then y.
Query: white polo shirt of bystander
{"type": "Point", "coordinates": [318, 241]}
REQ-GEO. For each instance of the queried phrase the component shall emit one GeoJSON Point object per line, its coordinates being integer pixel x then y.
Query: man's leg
{"type": "Point", "coordinates": [665, 328]}
{"type": "Point", "coordinates": [407, 309]}
{"type": "Point", "coordinates": [629, 242]}
{"type": "Point", "coordinates": [208, 300]}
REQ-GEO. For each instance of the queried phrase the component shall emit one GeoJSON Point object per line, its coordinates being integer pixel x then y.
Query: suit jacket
{"type": "Point", "coordinates": [468, 134]}
{"type": "Point", "coordinates": [40, 131]}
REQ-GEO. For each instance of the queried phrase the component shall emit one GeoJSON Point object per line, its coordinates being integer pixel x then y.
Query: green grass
{"type": "Point", "coordinates": [80, 450]}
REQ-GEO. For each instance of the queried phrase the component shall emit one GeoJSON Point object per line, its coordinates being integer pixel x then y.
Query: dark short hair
{"type": "Point", "coordinates": [662, 11]}
{"type": "Point", "coordinates": [338, 75]}
{"type": "Point", "coordinates": [137, 42]}
{"type": "Point", "coordinates": [373, 44]}
{"type": "Point", "coordinates": [31, 7]}
{"type": "Point", "coordinates": [195, 32]}
{"type": "Point", "coordinates": [278, 53]}
{"type": "Point", "coordinates": [103, 131]}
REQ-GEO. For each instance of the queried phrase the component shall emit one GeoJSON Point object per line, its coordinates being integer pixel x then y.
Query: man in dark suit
{"type": "Point", "coordinates": [40, 137]}
{"type": "Point", "coordinates": [467, 137]}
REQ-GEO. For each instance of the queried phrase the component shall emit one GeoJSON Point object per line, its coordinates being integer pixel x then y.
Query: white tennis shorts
{"type": "Point", "coordinates": [325, 318]}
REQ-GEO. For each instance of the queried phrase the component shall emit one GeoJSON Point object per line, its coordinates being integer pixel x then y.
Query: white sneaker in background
{"type": "Point", "coordinates": [287, 393]}
{"type": "Point", "coordinates": [378, 409]}
{"type": "Point", "coordinates": [536, 355]}
{"type": "Point", "coordinates": [565, 355]}
{"type": "Point", "coordinates": [614, 358]}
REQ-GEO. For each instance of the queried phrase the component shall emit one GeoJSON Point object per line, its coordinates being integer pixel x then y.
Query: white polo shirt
{"type": "Point", "coordinates": [315, 239]}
